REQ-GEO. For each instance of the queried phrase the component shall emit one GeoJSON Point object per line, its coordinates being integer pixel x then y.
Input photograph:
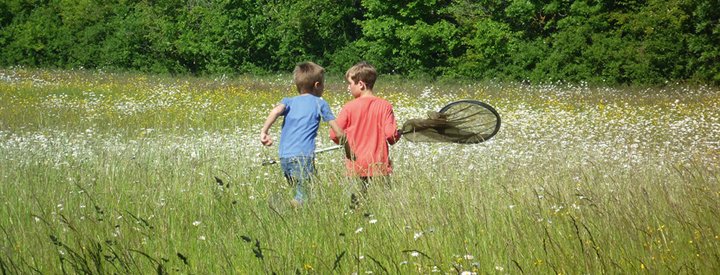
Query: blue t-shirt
{"type": "Point", "coordinates": [300, 126]}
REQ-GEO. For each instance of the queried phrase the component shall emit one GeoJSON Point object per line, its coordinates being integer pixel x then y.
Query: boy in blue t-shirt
{"type": "Point", "coordinates": [299, 128]}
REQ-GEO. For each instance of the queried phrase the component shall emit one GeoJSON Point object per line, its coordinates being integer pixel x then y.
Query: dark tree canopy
{"type": "Point", "coordinates": [629, 41]}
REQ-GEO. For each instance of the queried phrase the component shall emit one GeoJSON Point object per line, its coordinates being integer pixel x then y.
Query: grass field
{"type": "Point", "coordinates": [107, 173]}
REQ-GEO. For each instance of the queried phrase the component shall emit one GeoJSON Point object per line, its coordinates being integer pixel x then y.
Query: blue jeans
{"type": "Point", "coordinates": [298, 171]}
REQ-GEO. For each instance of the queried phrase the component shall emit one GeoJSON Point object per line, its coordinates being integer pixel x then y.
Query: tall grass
{"type": "Point", "coordinates": [120, 173]}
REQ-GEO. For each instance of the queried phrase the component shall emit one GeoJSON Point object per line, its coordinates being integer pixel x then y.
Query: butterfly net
{"type": "Point", "coordinates": [463, 122]}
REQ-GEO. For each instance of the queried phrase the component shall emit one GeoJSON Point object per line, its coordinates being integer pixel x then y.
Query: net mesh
{"type": "Point", "coordinates": [458, 122]}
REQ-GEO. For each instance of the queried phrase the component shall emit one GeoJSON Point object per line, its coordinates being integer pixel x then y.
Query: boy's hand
{"type": "Point", "coordinates": [265, 139]}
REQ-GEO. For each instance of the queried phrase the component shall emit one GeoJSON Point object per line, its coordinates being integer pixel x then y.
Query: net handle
{"type": "Point", "coordinates": [331, 148]}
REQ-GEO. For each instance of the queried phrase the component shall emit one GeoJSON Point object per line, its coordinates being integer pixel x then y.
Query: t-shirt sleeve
{"type": "Point", "coordinates": [325, 112]}
{"type": "Point", "coordinates": [285, 101]}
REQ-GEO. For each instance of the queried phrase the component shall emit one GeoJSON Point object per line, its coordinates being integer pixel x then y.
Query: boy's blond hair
{"type": "Point", "coordinates": [364, 72]}
{"type": "Point", "coordinates": [306, 74]}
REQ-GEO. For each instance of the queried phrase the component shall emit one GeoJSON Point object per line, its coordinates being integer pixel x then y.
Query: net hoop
{"type": "Point", "coordinates": [480, 103]}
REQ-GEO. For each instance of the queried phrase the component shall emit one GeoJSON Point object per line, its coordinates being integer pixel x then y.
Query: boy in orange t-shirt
{"type": "Point", "coordinates": [369, 125]}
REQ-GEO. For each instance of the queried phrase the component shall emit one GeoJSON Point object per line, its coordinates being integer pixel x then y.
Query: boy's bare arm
{"type": "Point", "coordinates": [338, 136]}
{"type": "Point", "coordinates": [265, 137]}
{"type": "Point", "coordinates": [392, 134]}
{"type": "Point", "coordinates": [339, 133]}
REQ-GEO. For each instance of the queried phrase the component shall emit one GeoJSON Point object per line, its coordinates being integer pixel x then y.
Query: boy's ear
{"type": "Point", "coordinates": [317, 88]}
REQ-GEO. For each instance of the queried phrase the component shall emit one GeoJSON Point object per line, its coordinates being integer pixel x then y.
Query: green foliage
{"type": "Point", "coordinates": [32, 39]}
{"type": "Point", "coordinates": [307, 30]}
{"type": "Point", "coordinates": [487, 49]}
{"type": "Point", "coordinates": [571, 42]}
{"type": "Point", "coordinates": [413, 38]}
{"type": "Point", "coordinates": [703, 40]}
{"type": "Point", "coordinates": [625, 41]}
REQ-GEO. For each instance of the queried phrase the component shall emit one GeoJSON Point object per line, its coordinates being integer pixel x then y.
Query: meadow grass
{"type": "Point", "coordinates": [126, 173]}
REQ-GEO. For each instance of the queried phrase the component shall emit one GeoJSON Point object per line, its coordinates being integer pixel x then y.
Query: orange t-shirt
{"type": "Point", "coordinates": [369, 124]}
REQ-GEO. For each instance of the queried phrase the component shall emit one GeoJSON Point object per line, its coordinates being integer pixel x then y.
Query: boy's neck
{"type": "Point", "coordinates": [307, 93]}
{"type": "Point", "coordinates": [366, 93]}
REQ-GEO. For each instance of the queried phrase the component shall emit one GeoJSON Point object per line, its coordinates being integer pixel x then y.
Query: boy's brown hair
{"type": "Point", "coordinates": [364, 72]}
{"type": "Point", "coordinates": [306, 74]}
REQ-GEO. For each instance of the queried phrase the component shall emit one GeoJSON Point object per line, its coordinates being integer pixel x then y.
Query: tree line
{"type": "Point", "coordinates": [596, 41]}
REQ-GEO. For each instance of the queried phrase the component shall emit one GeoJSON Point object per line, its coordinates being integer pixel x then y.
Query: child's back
{"type": "Point", "coordinates": [369, 125]}
{"type": "Point", "coordinates": [303, 114]}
